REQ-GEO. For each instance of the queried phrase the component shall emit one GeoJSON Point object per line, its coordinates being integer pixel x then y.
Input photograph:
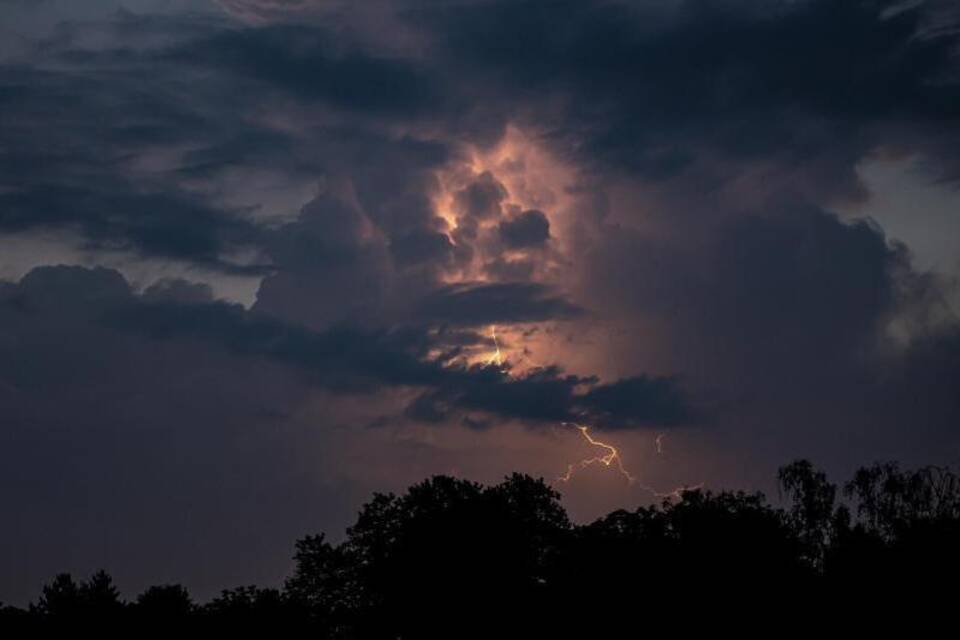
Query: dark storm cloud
{"type": "Point", "coordinates": [526, 229]}
{"type": "Point", "coordinates": [481, 198]}
{"type": "Point", "coordinates": [782, 326]}
{"type": "Point", "coordinates": [182, 291]}
{"type": "Point", "coordinates": [67, 299]}
{"type": "Point", "coordinates": [547, 395]}
{"type": "Point", "coordinates": [634, 86]}
{"type": "Point", "coordinates": [680, 94]}
{"type": "Point", "coordinates": [129, 145]}
{"type": "Point", "coordinates": [348, 359]}
{"type": "Point", "coordinates": [362, 246]}
{"type": "Point", "coordinates": [306, 62]}
{"type": "Point", "coordinates": [338, 358]}
{"type": "Point", "coordinates": [421, 246]}
{"type": "Point", "coordinates": [810, 87]}
{"type": "Point", "coordinates": [68, 142]}
{"type": "Point", "coordinates": [113, 215]}
{"type": "Point", "coordinates": [793, 290]}
{"type": "Point", "coordinates": [479, 304]}
{"type": "Point", "coordinates": [639, 400]}
{"type": "Point", "coordinates": [648, 87]}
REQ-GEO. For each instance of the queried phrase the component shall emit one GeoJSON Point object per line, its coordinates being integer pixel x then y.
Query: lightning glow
{"type": "Point", "coordinates": [527, 188]}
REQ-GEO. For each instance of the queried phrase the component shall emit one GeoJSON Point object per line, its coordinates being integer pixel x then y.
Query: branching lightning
{"type": "Point", "coordinates": [612, 458]}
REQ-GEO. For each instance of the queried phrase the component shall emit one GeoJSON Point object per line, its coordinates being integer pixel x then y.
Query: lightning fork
{"type": "Point", "coordinates": [613, 456]}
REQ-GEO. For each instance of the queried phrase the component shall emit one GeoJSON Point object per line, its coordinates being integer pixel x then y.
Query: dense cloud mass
{"type": "Point", "coordinates": [314, 245]}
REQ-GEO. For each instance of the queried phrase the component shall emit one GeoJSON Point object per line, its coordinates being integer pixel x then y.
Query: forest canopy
{"type": "Point", "coordinates": [453, 552]}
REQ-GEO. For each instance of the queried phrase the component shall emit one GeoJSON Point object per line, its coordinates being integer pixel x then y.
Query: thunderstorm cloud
{"type": "Point", "coordinates": [261, 257]}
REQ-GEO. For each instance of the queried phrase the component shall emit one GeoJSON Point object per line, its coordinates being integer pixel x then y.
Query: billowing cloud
{"type": "Point", "coordinates": [344, 358]}
{"type": "Point", "coordinates": [458, 219]}
{"type": "Point", "coordinates": [481, 198]}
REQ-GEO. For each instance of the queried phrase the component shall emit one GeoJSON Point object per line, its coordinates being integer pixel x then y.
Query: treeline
{"type": "Point", "coordinates": [451, 558]}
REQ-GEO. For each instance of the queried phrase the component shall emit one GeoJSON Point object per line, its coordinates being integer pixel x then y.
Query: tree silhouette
{"type": "Point", "coordinates": [891, 501]}
{"type": "Point", "coordinates": [99, 597]}
{"type": "Point", "coordinates": [64, 598]}
{"type": "Point", "coordinates": [448, 546]}
{"type": "Point", "coordinates": [170, 601]}
{"type": "Point", "coordinates": [324, 583]}
{"type": "Point", "coordinates": [249, 600]}
{"type": "Point", "coordinates": [450, 557]}
{"type": "Point", "coordinates": [60, 598]}
{"type": "Point", "coordinates": [815, 515]}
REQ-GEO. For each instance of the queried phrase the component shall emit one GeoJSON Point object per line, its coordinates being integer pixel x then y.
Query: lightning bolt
{"type": "Point", "coordinates": [612, 458]}
{"type": "Point", "coordinates": [497, 357]}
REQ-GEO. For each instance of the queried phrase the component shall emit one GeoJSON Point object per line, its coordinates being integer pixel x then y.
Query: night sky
{"type": "Point", "coordinates": [261, 258]}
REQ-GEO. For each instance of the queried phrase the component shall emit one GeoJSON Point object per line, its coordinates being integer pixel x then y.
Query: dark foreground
{"type": "Point", "coordinates": [451, 559]}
